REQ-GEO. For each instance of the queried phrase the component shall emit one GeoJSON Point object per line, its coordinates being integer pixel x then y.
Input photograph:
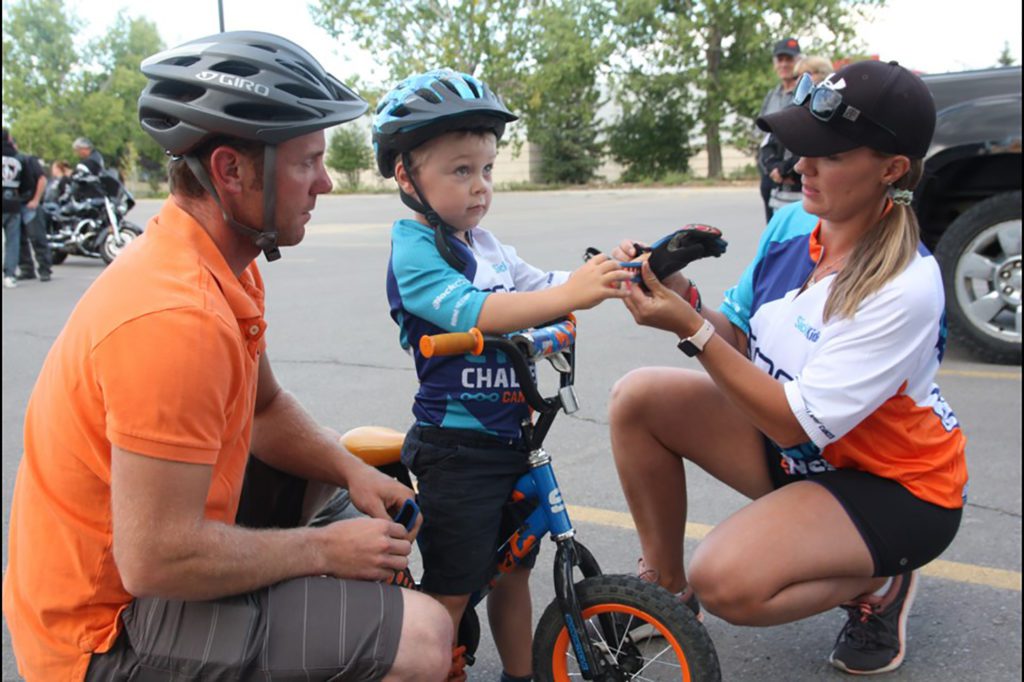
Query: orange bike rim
{"type": "Point", "coordinates": [560, 655]}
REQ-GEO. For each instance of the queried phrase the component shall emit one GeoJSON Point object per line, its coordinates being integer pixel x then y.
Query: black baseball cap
{"type": "Point", "coordinates": [896, 114]}
{"type": "Point", "coordinates": [788, 46]}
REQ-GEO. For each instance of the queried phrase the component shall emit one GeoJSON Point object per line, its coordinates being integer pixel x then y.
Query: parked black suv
{"type": "Point", "coordinates": [969, 207]}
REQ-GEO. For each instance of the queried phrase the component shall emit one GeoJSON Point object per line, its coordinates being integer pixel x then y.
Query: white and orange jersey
{"type": "Point", "coordinates": [862, 388]}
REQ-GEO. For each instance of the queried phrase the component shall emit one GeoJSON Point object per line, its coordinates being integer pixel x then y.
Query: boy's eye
{"type": "Point", "coordinates": [488, 168]}
{"type": "Point", "coordinates": [462, 170]}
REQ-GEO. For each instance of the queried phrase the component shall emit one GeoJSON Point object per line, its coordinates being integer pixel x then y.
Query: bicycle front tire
{"type": "Point", "coordinates": [674, 647]}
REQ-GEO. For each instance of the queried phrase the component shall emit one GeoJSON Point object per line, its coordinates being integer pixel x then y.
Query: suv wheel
{"type": "Point", "coordinates": [980, 259]}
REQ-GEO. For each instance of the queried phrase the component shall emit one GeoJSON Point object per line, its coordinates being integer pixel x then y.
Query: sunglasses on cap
{"type": "Point", "coordinates": [826, 103]}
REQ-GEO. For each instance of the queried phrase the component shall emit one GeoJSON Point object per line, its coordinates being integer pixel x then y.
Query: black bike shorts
{"type": "Point", "coordinates": [464, 480]}
{"type": "Point", "coordinates": [902, 531]}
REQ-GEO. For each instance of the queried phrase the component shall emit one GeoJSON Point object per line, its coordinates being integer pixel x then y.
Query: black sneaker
{"type": "Point", "coordinates": [874, 639]}
{"type": "Point", "coordinates": [44, 277]}
{"type": "Point", "coordinates": [22, 275]}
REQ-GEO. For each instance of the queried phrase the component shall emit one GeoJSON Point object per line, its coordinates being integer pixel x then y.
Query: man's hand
{"type": "Point", "coordinates": [378, 495]}
{"type": "Point", "coordinates": [364, 549]}
{"type": "Point", "coordinates": [776, 176]}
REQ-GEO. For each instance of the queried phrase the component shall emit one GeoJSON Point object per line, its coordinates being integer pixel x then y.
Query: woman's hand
{"type": "Point", "coordinates": [662, 308]}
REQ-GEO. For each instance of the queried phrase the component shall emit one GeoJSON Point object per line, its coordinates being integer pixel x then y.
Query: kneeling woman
{"type": "Point", "coordinates": [819, 400]}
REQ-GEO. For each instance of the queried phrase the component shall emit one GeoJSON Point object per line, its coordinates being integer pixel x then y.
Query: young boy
{"type": "Point", "coordinates": [437, 134]}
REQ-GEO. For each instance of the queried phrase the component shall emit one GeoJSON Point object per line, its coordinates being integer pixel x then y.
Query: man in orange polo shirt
{"type": "Point", "coordinates": [144, 539]}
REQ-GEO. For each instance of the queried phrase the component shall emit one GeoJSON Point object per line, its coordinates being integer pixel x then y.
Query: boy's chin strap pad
{"type": "Point", "coordinates": [682, 247]}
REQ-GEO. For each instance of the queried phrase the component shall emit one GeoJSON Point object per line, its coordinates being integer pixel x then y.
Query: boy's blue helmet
{"type": "Point", "coordinates": [426, 105]}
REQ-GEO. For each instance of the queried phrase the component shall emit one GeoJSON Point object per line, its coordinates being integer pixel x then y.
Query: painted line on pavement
{"type": "Point", "coordinates": [949, 570]}
{"type": "Point", "coordinates": [979, 374]}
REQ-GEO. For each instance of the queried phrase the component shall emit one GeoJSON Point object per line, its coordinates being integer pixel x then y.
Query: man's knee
{"type": "Point", "coordinates": [425, 650]}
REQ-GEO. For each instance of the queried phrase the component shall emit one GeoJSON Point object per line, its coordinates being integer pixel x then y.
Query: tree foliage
{"type": "Point", "coordinates": [554, 60]}
{"type": "Point", "coordinates": [722, 50]}
{"type": "Point", "coordinates": [349, 153]}
{"type": "Point", "coordinates": [53, 93]}
{"type": "Point", "coordinates": [563, 94]}
{"type": "Point", "coordinates": [652, 136]}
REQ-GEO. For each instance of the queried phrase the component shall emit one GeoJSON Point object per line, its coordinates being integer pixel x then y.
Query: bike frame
{"type": "Point", "coordinates": [550, 516]}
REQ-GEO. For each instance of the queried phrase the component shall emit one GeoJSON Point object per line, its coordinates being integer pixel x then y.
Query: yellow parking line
{"type": "Point", "coordinates": [949, 570]}
{"type": "Point", "coordinates": [979, 374]}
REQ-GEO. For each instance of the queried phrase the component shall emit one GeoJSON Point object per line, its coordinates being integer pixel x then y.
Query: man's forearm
{"type": "Point", "coordinates": [215, 560]}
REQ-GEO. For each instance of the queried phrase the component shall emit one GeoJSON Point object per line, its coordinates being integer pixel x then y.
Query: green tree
{"type": "Point", "coordinates": [1006, 57]}
{"type": "Point", "coordinates": [651, 138]}
{"type": "Point", "coordinates": [516, 46]}
{"type": "Point", "coordinates": [40, 61]}
{"type": "Point", "coordinates": [53, 94]}
{"type": "Point", "coordinates": [348, 152]}
{"type": "Point", "coordinates": [722, 50]}
{"type": "Point", "coordinates": [564, 98]}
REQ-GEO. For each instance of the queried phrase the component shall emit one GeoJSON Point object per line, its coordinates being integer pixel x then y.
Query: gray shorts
{"type": "Point", "coordinates": [309, 629]}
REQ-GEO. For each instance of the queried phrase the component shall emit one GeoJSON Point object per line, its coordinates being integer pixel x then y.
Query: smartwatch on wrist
{"type": "Point", "coordinates": [694, 345]}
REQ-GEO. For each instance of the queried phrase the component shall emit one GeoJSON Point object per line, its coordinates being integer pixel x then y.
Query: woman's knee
{"type": "Point", "coordinates": [725, 586]}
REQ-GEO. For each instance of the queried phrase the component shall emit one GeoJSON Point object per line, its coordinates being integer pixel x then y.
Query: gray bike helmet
{"type": "Point", "coordinates": [243, 84]}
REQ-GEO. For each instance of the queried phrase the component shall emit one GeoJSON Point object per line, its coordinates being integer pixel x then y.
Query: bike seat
{"type": "Point", "coordinates": [375, 445]}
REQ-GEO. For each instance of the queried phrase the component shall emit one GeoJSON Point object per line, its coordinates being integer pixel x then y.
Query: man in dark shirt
{"type": "Point", "coordinates": [784, 57]}
{"type": "Point", "coordinates": [88, 156]}
{"type": "Point", "coordinates": [33, 230]}
{"type": "Point", "coordinates": [21, 189]}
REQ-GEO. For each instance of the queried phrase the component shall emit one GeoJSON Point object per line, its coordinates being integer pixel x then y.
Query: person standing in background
{"type": "Point", "coordinates": [784, 56]}
{"type": "Point", "coordinates": [33, 229]}
{"type": "Point", "coordinates": [779, 163]}
{"type": "Point", "coordinates": [21, 190]}
{"type": "Point", "coordinates": [89, 157]}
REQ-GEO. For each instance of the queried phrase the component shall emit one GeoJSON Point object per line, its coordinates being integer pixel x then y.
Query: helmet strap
{"type": "Point", "coordinates": [442, 231]}
{"type": "Point", "coordinates": [265, 239]}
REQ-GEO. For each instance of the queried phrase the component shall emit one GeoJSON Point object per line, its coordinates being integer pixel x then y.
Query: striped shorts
{"type": "Point", "coordinates": [310, 629]}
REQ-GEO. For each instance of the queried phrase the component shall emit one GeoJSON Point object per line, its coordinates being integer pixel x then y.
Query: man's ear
{"type": "Point", "coordinates": [226, 172]}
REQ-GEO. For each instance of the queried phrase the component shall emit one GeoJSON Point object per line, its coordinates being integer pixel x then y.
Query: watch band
{"type": "Point", "coordinates": [694, 345]}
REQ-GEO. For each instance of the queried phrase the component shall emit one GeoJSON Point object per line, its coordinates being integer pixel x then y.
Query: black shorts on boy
{"type": "Point", "coordinates": [464, 482]}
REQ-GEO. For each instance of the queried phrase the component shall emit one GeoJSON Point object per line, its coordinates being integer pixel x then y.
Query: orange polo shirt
{"type": "Point", "coordinates": [159, 357]}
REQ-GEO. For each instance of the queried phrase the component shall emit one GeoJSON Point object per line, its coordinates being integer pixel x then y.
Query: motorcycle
{"type": "Point", "coordinates": [87, 219]}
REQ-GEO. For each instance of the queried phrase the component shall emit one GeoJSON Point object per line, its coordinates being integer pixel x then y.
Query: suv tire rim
{"type": "Point", "coordinates": [988, 281]}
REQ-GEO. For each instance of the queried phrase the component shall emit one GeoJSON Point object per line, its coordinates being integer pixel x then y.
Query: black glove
{"type": "Point", "coordinates": [677, 250]}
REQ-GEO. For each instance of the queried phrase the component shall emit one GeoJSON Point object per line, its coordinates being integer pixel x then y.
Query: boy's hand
{"type": "Point", "coordinates": [598, 279]}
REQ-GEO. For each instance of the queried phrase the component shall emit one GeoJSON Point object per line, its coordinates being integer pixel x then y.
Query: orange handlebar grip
{"type": "Point", "coordinates": [452, 344]}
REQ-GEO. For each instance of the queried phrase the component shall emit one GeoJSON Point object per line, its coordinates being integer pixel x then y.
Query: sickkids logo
{"type": "Point", "coordinates": [807, 330]}
{"type": "Point", "coordinates": [234, 81]}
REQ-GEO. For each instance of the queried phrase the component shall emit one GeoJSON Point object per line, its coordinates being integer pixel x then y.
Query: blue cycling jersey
{"type": "Point", "coordinates": [428, 296]}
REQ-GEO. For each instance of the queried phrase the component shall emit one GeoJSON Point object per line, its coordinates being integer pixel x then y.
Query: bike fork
{"type": "Point", "coordinates": [115, 224]}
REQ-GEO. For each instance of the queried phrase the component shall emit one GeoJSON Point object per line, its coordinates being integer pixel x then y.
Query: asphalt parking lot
{"type": "Point", "coordinates": [333, 344]}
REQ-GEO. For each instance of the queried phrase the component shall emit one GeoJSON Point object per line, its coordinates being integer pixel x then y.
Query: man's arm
{"type": "Point", "coordinates": [164, 546]}
{"type": "Point", "coordinates": [33, 203]}
{"type": "Point", "coordinates": [286, 437]}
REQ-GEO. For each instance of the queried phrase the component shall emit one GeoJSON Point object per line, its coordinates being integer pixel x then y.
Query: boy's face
{"type": "Point", "coordinates": [454, 173]}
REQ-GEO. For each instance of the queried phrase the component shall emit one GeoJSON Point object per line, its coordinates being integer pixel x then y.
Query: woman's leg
{"type": "Point", "coordinates": [659, 417]}
{"type": "Point", "coordinates": [787, 555]}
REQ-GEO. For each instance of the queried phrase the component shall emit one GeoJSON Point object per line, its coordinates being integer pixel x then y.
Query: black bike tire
{"type": "Point", "coordinates": [550, 640]}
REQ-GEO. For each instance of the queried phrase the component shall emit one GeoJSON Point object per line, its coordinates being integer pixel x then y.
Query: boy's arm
{"type": "Point", "coordinates": [598, 279]}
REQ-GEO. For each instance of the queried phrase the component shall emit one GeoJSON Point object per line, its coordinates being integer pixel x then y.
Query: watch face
{"type": "Point", "coordinates": [688, 348]}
